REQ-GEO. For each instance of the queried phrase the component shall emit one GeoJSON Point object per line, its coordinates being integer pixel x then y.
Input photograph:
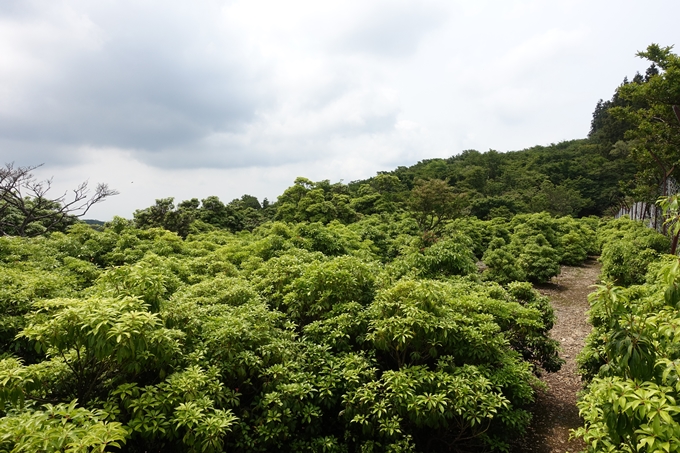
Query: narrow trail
{"type": "Point", "coordinates": [555, 411]}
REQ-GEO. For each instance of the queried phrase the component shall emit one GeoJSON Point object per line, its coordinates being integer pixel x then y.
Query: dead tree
{"type": "Point", "coordinates": [26, 209]}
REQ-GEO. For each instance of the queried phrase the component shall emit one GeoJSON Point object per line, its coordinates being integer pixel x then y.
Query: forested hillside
{"type": "Point", "coordinates": [578, 178]}
{"type": "Point", "coordinates": [395, 314]}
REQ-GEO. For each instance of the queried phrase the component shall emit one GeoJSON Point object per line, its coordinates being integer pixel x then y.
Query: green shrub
{"type": "Point", "coordinates": [60, 427]}
{"type": "Point", "coordinates": [631, 361]}
{"type": "Point", "coordinates": [539, 260]}
{"type": "Point", "coordinates": [452, 256]}
{"type": "Point", "coordinates": [295, 337]}
{"type": "Point", "coordinates": [628, 248]}
{"type": "Point", "coordinates": [502, 264]}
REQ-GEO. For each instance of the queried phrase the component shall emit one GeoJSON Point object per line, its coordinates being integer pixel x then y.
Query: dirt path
{"type": "Point", "coordinates": [555, 411]}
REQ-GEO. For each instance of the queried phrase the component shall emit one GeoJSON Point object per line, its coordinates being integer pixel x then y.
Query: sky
{"type": "Point", "coordinates": [191, 99]}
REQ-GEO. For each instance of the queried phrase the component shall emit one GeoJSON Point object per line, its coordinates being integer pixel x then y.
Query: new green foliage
{"type": "Point", "coordinates": [293, 337]}
{"type": "Point", "coordinates": [60, 427]}
{"type": "Point", "coordinates": [631, 361]}
{"type": "Point", "coordinates": [532, 247]}
{"type": "Point", "coordinates": [628, 247]}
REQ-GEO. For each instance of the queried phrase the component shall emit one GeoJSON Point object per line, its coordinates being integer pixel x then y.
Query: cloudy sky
{"type": "Point", "coordinates": [209, 97]}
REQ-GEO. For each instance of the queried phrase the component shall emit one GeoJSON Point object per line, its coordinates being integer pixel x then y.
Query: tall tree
{"type": "Point", "coordinates": [653, 112]}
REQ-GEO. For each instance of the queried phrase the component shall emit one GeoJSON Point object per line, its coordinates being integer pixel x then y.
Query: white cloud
{"type": "Point", "coordinates": [391, 29]}
{"type": "Point", "coordinates": [537, 54]}
{"type": "Point", "coordinates": [225, 97]}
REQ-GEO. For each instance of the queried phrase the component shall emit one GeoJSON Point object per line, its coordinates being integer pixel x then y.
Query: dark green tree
{"type": "Point", "coordinates": [164, 215]}
{"type": "Point", "coordinates": [307, 201]}
{"type": "Point", "coordinates": [653, 112]}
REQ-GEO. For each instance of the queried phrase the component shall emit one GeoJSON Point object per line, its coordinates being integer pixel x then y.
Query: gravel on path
{"type": "Point", "coordinates": [555, 412]}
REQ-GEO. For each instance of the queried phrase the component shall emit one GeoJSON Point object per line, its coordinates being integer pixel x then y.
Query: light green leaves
{"type": "Point", "coordinates": [99, 338]}
{"type": "Point", "coordinates": [290, 338]}
{"type": "Point", "coordinates": [631, 404]}
{"type": "Point", "coordinates": [60, 428]}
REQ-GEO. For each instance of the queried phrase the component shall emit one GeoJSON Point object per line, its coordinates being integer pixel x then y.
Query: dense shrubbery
{"type": "Point", "coordinates": [530, 247]}
{"type": "Point", "coordinates": [353, 318]}
{"type": "Point", "coordinates": [632, 356]}
{"type": "Point", "coordinates": [628, 247]}
{"type": "Point", "coordinates": [293, 337]}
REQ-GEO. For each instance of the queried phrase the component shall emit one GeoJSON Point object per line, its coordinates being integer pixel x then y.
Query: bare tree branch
{"type": "Point", "coordinates": [27, 210]}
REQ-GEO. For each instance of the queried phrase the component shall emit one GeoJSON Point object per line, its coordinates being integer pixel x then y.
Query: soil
{"type": "Point", "coordinates": [555, 412]}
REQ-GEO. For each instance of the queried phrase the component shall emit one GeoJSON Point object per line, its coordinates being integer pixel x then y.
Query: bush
{"type": "Point", "coordinates": [628, 248]}
{"type": "Point", "coordinates": [535, 248]}
{"type": "Point", "coordinates": [631, 363]}
{"type": "Point", "coordinates": [452, 256]}
{"type": "Point", "coordinates": [539, 260]}
{"type": "Point", "coordinates": [502, 264]}
{"type": "Point", "coordinates": [295, 337]}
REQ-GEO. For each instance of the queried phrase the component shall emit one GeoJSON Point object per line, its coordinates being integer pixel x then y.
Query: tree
{"type": "Point", "coordinates": [250, 201]}
{"type": "Point", "coordinates": [434, 201]}
{"type": "Point", "coordinates": [238, 215]}
{"type": "Point", "coordinates": [671, 211]}
{"type": "Point", "coordinates": [163, 214]}
{"type": "Point", "coordinates": [654, 113]}
{"type": "Point", "coordinates": [559, 200]}
{"type": "Point", "coordinates": [307, 201]}
{"type": "Point", "coordinates": [607, 129]}
{"type": "Point", "coordinates": [26, 209]}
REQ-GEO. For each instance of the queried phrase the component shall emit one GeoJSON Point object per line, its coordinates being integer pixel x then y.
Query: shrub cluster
{"type": "Point", "coordinates": [628, 247]}
{"type": "Point", "coordinates": [632, 356]}
{"type": "Point", "coordinates": [530, 247]}
{"type": "Point", "coordinates": [293, 337]}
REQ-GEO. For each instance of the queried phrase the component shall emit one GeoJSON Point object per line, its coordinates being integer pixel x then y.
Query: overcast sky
{"type": "Point", "coordinates": [191, 99]}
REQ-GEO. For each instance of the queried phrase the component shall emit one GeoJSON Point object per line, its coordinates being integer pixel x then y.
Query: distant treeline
{"type": "Point", "coordinates": [578, 178]}
{"type": "Point", "coordinates": [629, 154]}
